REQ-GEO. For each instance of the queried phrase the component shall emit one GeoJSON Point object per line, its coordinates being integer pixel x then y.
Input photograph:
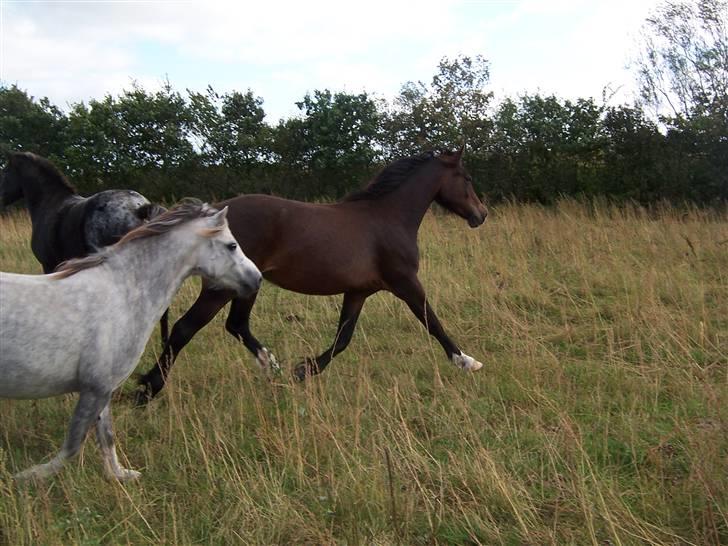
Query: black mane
{"type": "Point", "coordinates": [45, 166]}
{"type": "Point", "coordinates": [390, 178]}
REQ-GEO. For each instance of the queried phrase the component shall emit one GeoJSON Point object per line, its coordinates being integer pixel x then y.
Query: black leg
{"type": "Point", "coordinates": [350, 310]}
{"type": "Point", "coordinates": [238, 324]}
{"type": "Point", "coordinates": [164, 328]}
{"type": "Point", "coordinates": [411, 292]}
{"type": "Point", "coordinates": [208, 303]}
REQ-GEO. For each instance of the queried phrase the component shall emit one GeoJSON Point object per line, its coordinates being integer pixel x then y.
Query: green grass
{"type": "Point", "coordinates": [600, 417]}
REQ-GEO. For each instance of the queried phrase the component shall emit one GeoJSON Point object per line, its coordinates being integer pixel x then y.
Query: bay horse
{"type": "Point", "coordinates": [59, 336]}
{"type": "Point", "coordinates": [66, 225]}
{"type": "Point", "coordinates": [363, 244]}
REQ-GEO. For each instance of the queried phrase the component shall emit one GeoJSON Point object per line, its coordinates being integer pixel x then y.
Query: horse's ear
{"type": "Point", "coordinates": [459, 153]}
{"type": "Point", "coordinates": [218, 219]}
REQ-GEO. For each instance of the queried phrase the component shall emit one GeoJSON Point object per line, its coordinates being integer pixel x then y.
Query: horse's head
{"type": "Point", "coordinates": [456, 192]}
{"type": "Point", "coordinates": [11, 188]}
{"type": "Point", "coordinates": [31, 176]}
{"type": "Point", "coordinates": [221, 261]}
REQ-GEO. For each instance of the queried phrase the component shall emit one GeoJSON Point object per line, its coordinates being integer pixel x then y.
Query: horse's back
{"type": "Point", "coordinates": [111, 214]}
{"type": "Point", "coordinates": [310, 248]}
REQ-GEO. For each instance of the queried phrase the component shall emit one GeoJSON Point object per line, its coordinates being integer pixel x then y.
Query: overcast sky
{"type": "Point", "coordinates": [71, 51]}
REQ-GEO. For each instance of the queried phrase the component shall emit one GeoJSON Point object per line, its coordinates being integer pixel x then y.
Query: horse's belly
{"type": "Point", "coordinates": [24, 377]}
{"type": "Point", "coordinates": [323, 283]}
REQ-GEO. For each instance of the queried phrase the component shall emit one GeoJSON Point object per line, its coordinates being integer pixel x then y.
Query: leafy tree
{"type": "Point", "coordinates": [543, 148]}
{"type": "Point", "coordinates": [93, 155]}
{"type": "Point", "coordinates": [332, 147]}
{"type": "Point", "coordinates": [454, 106]}
{"type": "Point", "coordinates": [684, 59]}
{"type": "Point", "coordinates": [634, 156]}
{"type": "Point", "coordinates": [27, 124]}
{"type": "Point", "coordinates": [230, 129]}
{"type": "Point", "coordinates": [137, 138]}
{"type": "Point", "coordinates": [233, 140]}
{"type": "Point", "coordinates": [530, 148]}
{"type": "Point", "coordinates": [155, 127]}
{"type": "Point", "coordinates": [683, 72]}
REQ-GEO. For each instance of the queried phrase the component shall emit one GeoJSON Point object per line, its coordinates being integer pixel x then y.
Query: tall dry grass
{"type": "Point", "coordinates": [600, 417]}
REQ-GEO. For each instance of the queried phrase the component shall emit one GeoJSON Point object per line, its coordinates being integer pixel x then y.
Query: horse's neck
{"type": "Point", "coordinates": [151, 271]}
{"type": "Point", "coordinates": [409, 203]}
{"type": "Point", "coordinates": [43, 193]}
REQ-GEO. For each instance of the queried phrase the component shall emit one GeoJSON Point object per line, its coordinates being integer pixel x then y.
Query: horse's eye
{"type": "Point", "coordinates": [232, 246]}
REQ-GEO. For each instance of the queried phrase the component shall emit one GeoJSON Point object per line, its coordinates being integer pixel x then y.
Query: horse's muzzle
{"type": "Point", "coordinates": [251, 284]}
{"type": "Point", "coordinates": [477, 219]}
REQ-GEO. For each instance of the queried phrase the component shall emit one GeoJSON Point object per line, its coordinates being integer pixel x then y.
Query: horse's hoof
{"type": "Point", "coordinates": [306, 368]}
{"type": "Point", "coordinates": [127, 475]}
{"type": "Point", "coordinates": [299, 372]}
{"type": "Point", "coordinates": [143, 395]}
{"type": "Point", "coordinates": [268, 362]}
{"type": "Point", "coordinates": [467, 363]}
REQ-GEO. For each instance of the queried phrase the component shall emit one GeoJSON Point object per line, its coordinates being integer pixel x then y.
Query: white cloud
{"type": "Point", "coordinates": [572, 48]}
{"type": "Point", "coordinates": [72, 51]}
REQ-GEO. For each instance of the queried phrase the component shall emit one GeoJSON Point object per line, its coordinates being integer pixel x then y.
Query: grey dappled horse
{"type": "Point", "coordinates": [84, 328]}
{"type": "Point", "coordinates": [65, 224]}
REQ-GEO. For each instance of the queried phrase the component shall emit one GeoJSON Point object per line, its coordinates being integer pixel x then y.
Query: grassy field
{"type": "Point", "coordinates": [600, 416]}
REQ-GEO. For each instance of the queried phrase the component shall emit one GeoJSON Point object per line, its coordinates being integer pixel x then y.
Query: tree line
{"type": "Point", "coordinates": [670, 145]}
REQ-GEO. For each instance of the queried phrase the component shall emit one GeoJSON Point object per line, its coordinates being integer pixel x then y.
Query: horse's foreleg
{"type": "Point", "coordinates": [105, 439]}
{"type": "Point", "coordinates": [238, 324]}
{"type": "Point", "coordinates": [350, 311]}
{"type": "Point", "coordinates": [87, 411]}
{"type": "Point", "coordinates": [413, 294]}
{"type": "Point", "coordinates": [208, 303]}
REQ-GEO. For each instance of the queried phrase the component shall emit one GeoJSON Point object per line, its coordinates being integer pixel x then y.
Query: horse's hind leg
{"type": "Point", "coordinates": [238, 324]}
{"type": "Point", "coordinates": [207, 305]}
{"type": "Point", "coordinates": [350, 311]}
{"type": "Point", "coordinates": [87, 410]}
{"type": "Point", "coordinates": [164, 328]}
{"type": "Point", "coordinates": [105, 439]}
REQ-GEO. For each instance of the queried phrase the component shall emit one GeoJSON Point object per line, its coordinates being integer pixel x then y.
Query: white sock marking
{"type": "Point", "coordinates": [465, 362]}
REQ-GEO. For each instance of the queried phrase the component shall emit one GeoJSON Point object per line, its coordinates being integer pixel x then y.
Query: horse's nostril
{"type": "Point", "coordinates": [256, 281]}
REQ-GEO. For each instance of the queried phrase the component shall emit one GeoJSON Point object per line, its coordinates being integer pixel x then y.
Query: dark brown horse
{"type": "Point", "coordinates": [365, 243]}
